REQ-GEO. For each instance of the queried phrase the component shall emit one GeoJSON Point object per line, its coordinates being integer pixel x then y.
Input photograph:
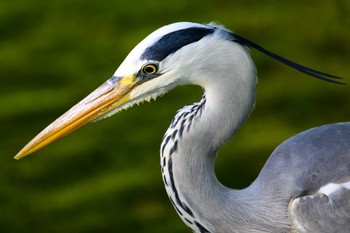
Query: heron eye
{"type": "Point", "coordinates": [150, 69]}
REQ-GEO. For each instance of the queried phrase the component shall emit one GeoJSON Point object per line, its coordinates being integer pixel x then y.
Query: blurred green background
{"type": "Point", "coordinates": [105, 177]}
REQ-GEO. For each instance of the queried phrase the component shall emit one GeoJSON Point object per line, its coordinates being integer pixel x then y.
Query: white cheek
{"type": "Point", "coordinates": [154, 87]}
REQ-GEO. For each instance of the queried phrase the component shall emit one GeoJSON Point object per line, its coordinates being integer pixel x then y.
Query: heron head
{"type": "Point", "coordinates": [157, 64]}
{"type": "Point", "coordinates": [176, 54]}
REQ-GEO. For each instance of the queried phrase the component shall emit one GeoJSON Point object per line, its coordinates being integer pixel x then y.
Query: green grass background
{"type": "Point", "coordinates": [105, 177]}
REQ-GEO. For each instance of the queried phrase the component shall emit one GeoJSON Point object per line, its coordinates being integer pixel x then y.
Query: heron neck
{"type": "Point", "coordinates": [189, 150]}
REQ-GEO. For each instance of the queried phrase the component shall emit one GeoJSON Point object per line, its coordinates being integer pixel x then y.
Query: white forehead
{"type": "Point", "coordinates": [132, 62]}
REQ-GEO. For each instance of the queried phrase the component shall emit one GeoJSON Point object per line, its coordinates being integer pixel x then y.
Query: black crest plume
{"type": "Point", "coordinates": [306, 70]}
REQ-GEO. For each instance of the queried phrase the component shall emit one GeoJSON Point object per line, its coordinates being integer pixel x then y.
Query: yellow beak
{"type": "Point", "coordinates": [110, 95]}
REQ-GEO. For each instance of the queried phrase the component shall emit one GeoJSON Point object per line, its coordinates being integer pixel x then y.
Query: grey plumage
{"type": "Point", "coordinates": [303, 187]}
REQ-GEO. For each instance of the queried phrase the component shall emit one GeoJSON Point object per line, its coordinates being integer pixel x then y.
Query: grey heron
{"type": "Point", "coordinates": [303, 187]}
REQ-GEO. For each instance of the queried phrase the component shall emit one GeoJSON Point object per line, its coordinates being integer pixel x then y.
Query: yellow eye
{"type": "Point", "coordinates": [150, 69]}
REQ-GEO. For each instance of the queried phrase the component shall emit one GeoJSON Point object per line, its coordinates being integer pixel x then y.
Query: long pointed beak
{"type": "Point", "coordinates": [110, 95]}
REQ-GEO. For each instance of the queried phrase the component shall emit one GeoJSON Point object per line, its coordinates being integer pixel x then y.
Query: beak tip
{"type": "Point", "coordinates": [22, 153]}
{"type": "Point", "coordinates": [18, 156]}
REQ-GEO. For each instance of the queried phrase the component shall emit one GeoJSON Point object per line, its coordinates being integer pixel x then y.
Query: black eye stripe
{"type": "Point", "coordinates": [173, 41]}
